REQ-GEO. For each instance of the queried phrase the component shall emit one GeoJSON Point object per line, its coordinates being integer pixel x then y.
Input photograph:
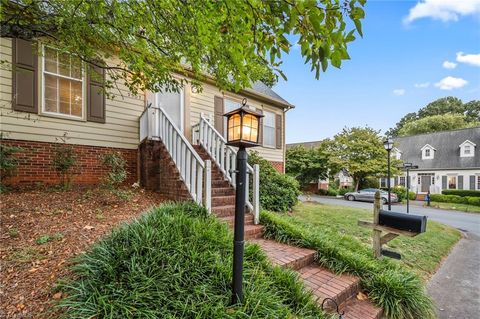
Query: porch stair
{"type": "Point", "coordinates": [320, 281]}
{"type": "Point", "coordinates": [223, 199]}
{"type": "Point", "coordinates": [323, 283]}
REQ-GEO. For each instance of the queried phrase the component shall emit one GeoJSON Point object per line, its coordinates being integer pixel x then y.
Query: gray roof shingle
{"type": "Point", "coordinates": [447, 154]}
{"type": "Point", "coordinates": [261, 88]}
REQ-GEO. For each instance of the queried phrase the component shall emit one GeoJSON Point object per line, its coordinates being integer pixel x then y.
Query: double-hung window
{"type": "Point", "coordinates": [63, 84]}
{"type": "Point", "coordinates": [452, 182]}
{"type": "Point", "coordinates": [402, 181]}
{"type": "Point", "coordinates": [269, 129]}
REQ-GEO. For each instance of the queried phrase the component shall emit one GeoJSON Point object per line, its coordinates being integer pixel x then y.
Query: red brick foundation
{"type": "Point", "coordinates": [278, 166]}
{"type": "Point", "coordinates": [159, 173]}
{"type": "Point", "coordinates": [36, 163]}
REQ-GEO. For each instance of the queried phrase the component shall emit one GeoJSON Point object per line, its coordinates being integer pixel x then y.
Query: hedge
{"type": "Point", "coordinates": [470, 200]}
{"type": "Point", "coordinates": [461, 192]}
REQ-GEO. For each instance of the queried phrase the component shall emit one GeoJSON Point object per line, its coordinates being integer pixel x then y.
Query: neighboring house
{"type": "Point", "coordinates": [49, 95]}
{"type": "Point", "coordinates": [446, 160]}
{"type": "Point", "coordinates": [345, 180]}
{"type": "Point", "coordinates": [343, 177]}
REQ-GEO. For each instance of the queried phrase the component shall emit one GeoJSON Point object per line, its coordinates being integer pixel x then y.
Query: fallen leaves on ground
{"type": "Point", "coordinates": [41, 230]}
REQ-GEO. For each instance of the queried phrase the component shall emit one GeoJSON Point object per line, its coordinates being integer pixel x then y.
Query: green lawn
{"type": "Point", "coordinates": [421, 254]}
{"type": "Point", "coordinates": [457, 207]}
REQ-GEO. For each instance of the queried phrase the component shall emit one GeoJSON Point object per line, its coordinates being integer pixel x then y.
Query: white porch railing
{"type": "Point", "coordinates": [155, 124]}
{"type": "Point", "coordinates": [225, 157]}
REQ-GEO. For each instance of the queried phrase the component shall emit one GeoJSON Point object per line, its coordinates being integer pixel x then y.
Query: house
{"type": "Point", "coordinates": [343, 177]}
{"type": "Point", "coordinates": [446, 160]}
{"type": "Point", "coordinates": [49, 95]}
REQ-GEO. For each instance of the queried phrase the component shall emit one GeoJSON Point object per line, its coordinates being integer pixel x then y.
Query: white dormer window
{"type": "Point", "coordinates": [428, 152]}
{"type": "Point", "coordinates": [396, 153]}
{"type": "Point", "coordinates": [467, 149]}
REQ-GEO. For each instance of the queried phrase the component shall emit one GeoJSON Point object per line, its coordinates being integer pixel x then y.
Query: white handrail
{"type": "Point", "coordinates": [225, 157]}
{"type": "Point", "coordinates": [195, 173]}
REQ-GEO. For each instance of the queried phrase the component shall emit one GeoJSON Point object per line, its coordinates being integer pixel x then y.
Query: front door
{"type": "Point", "coordinates": [172, 104]}
{"type": "Point", "coordinates": [426, 182]}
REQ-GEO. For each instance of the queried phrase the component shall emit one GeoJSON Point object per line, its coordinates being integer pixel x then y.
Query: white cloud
{"type": "Point", "coordinates": [422, 85]}
{"type": "Point", "coordinates": [399, 92]}
{"type": "Point", "coordinates": [449, 65]}
{"type": "Point", "coordinates": [473, 59]}
{"type": "Point", "coordinates": [444, 10]}
{"type": "Point", "coordinates": [450, 83]}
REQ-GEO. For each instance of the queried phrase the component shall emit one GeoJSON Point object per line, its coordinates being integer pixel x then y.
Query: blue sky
{"type": "Point", "coordinates": [396, 68]}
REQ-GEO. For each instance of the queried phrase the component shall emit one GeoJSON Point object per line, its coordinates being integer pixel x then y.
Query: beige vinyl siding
{"type": "Point", "coordinates": [202, 102]}
{"type": "Point", "coordinates": [120, 130]}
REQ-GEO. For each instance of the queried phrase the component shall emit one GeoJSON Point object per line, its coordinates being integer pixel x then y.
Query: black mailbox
{"type": "Point", "coordinates": [412, 223]}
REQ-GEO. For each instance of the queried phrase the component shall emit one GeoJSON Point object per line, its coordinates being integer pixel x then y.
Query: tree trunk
{"type": "Point", "coordinates": [357, 183]}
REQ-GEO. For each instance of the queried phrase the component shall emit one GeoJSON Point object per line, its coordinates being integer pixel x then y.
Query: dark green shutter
{"type": "Point", "coordinates": [444, 182]}
{"type": "Point", "coordinates": [472, 182]}
{"type": "Point", "coordinates": [278, 131]}
{"type": "Point", "coordinates": [460, 182]}
{"type": "Point", "coordinates": [260, 128]}
{"type": "Point", "coordinates": [96, 95]}
{"type": "Point", "coordinates": [218, 110]}
{"type": "Point", "coordinates": [24, 84]}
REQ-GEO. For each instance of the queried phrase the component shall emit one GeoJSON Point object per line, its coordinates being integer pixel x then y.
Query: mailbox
{"type": "Point", "coordinates": [400, 221]}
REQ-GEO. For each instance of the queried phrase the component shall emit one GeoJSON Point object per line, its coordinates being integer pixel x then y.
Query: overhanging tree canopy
{"type": "Point", "coordinates": [236, 42]}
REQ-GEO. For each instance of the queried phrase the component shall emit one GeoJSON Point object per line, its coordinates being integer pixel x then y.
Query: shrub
{"type": "Point", "coordinates": [64, 160]}
{"type": "Point", "coordinates": [455, 199]}
{"type": "Point", "coordinates": [398, 291]}
{"type": "Point", "coordinates": [402, 193]}
{"type": "Point", "coordinates": [117, 174]}
{"type": "Point", "coordinates": [461, 192]}
{"type": "Point", "coordinates": [343, 191]}
{"type": "Point", "coordinates": [8, 160]}
{"type": "Point", "coordinates": [176, 262]}
{"type": "Point", "coordinates": [328, 192]}
{"type": "Point", "coordinates": [278, 192]}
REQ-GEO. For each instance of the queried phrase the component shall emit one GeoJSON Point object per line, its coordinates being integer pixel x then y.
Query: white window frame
{"type": "Point", "coordinates": [471, 146]}
{"type": "Point", "coordinates": [431, 152]}
{"type": "Point", "coordinates": [42, 90]}
{"type": "Point", "coordinates": [448, 182]}
{"type": "Point", "coordinates": [402, 181]}
{"type": "Point", "coordinates": [274, 145]}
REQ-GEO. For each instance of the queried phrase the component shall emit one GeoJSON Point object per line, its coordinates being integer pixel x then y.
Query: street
{"type": "Point", "coordinates": [455, 287]}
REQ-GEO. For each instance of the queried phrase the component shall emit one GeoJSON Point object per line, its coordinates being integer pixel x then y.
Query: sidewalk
{"type": "Point", "coordinates": [455, 288]}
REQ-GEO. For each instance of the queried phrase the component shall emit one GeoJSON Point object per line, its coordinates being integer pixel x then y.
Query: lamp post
{"type": "Point", "coordinates": [243, 127]}
{"type": "Point", "coordinates": [388, 145]}
{"type": "Point", "coordinates": [407, 167]}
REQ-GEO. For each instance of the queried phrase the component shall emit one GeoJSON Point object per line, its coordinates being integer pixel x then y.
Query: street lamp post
{"type": "Point", "coordinates": [243, 126]}
{"type": "Point", "coordinates": [388, 145]}
{"type": "Point", "coordinates": [407, 167]}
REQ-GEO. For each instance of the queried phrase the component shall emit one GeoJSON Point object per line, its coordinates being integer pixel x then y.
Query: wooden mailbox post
{"type": "Point", "coordinates": [393, 229]}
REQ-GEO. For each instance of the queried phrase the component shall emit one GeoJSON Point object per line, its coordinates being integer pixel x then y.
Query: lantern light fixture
{"type": "Point", "coordinates": [243, 126]}
{"type": "Point", "coordinates": [388, 144]}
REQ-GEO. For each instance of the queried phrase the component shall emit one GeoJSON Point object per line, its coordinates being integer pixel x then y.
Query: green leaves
{"type": "Point", "coordinates": [235, 41]}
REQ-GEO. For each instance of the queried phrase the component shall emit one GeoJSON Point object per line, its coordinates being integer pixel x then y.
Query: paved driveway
{"type": "Point", "coordinates": [455, 287]}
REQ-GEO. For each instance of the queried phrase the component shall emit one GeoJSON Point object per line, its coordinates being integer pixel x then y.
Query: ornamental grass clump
{"type": "Point", "coordinates": [399, 292]}
{"type": "Point", "coordinates": [176, 262]}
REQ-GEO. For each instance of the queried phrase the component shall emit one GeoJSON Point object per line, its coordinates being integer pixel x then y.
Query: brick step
{"type": "Point", "coordinates": [325, 284]}
{"type": "Point", "coordinates": [360, 309]}
{"type": "Point", "coordinates": [220, 183]}
{"type": "Point", "coordinates": [230, 220]}
{"type": "Point", "coordinates": [286, 255]}
{"type": "Point", "coordinates": [253, 231]}
{"type": "Point", "coordinates": [223, 191]}
{"type": "Point", "coordinates": [223, 200]}
{"type": "Point", "coordinates": [224, 211]}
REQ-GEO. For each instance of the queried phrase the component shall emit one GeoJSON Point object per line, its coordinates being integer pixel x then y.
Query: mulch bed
{"type": "Point", "coordinates": [41, 230]}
